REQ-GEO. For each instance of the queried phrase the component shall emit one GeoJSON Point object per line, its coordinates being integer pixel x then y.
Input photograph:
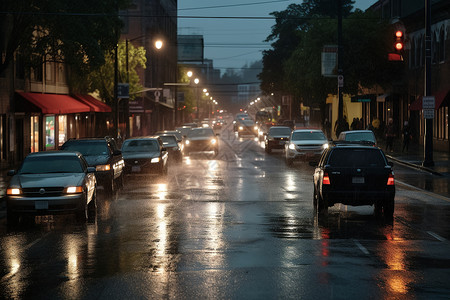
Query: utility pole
{"type": "Point", "coordinates": [116, 96]}
{"type": "Point", "coordinates": [340, 125]}
{"type": "Point", "coordinates": [428, 138]}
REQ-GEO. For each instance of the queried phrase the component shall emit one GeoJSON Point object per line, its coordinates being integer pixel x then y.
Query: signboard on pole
{"type": "Point", "coordinates": [329, 60]}
{"type": "Point", "coordinates": [428, 102]}
{"type": "Point", "coordinates": [123, 90]}
{"type": "Point", "coordinates": [428, 113]}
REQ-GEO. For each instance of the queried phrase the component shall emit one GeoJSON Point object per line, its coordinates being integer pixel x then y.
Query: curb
{"type": "Point", "coordinates": [415, 166]}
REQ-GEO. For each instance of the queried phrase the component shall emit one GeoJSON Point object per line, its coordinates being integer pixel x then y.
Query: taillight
{"type": "Point", "coordinates": [326, 178]}
{"type": "Point", "coordinates": [390, 180]}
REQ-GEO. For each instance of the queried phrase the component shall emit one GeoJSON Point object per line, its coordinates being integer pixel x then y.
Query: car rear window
{"type": "Point", "coordinates": [360, 136]}
{"type": "Point", "coordinates": [87, 148]}
{"type": "Point", "coordinates": [356, 158]}
{"type": "Point", "coordinates": [201, 132]}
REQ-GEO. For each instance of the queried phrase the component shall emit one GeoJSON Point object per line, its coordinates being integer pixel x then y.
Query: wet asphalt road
{"type": "Point", "coordinates": [237, 226]}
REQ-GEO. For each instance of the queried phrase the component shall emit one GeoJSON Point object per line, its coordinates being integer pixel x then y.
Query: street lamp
{"type": "Point", "coordinates": [196, 81]}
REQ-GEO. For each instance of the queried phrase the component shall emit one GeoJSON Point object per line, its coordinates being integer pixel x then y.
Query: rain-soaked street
{"type": "Point", "coordinates": [240, 225]}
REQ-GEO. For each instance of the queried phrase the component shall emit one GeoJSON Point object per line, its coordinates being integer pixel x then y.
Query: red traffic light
{"type": "Point", "coordinates": [398, 40]}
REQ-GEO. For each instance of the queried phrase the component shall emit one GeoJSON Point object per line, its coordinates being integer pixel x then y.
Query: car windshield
{"type": "Point", "coordinates": [356, 158]}
{"type": "Point", "coordinates": [140, 146]}
{"type": "Point", "coordinates": [51, 164]}
{"type": "Point", "coordinates": [201, 132]}
{"type": "Point", "coordinates": [308, 135]}
{"type": "Point", "coordinates": [88, 148]}
{"type": "Point", "coordinates": [279, 131]}
{"type": "Point", "coordinates": [168, 139]}
{"type": "Point", "coordinates": [360, 136]}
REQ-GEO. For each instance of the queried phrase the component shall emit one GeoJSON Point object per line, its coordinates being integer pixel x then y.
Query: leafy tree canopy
{"type": "Point", "coordinates": [76, 32]}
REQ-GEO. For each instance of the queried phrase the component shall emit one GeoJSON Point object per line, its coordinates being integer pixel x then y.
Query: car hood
{"type": "Point", "coordinates": [246, 123]}
{"type": "Point", "coordinates": [200, 138]}
{"type": "Point", "coordinates": [96, 160]}
{"type": "Point", "coordinates": [136, 155]}
{"type": "Point", "coordinates": [47, 180]}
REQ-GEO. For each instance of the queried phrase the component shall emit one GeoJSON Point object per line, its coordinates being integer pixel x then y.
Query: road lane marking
{"type": "Point", "coordinates": [361, 247]}
{"type": "Point", "coordinates": [437, 236]}
{"type": "Point", "coordinates": [423, 191]}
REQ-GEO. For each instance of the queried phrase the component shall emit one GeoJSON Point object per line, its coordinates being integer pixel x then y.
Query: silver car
{"type": "Point", "coordinates": [52, 182]}
{"type": "Point", "coordinates": [305, 145]}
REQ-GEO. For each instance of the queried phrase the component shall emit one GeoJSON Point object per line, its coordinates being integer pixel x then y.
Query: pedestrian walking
{"type": "Point", "coordinates": [327, 127]}
{"type": "Point", "coordinates": [390, 135]}
{"type": "Point", "coordinates": [406, 132]}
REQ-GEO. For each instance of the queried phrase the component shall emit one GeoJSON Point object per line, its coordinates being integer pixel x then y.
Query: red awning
{"type": "Point", "coordinates": [94, 104]}
{"type": "Point", "coordinates": [440, 98]}
{"type": "Point", "coordinates": [52, 104]}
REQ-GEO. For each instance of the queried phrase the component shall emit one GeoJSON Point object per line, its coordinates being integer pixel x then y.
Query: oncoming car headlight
{"type": "Point", "coordinates": [13, 191]}
{"type": "Point", "coordinates": [256, 127]}
{"type": "Point", "coordinates": [241, 128]}
{"type": "Point", "coordinates": [187, 142]}
{"type": "Point", "coordinates": [103, 167]}
{"type": "Point", "coordinates": [325, 146]}
{"type": "Point", "coordinates": [155, 160]}
{"type": "Point", "coordinates": [213, 141]}
{"type": "Point", "coordinates": [292, 146]}
{"type": "Point", "coordinates": [73, 190]}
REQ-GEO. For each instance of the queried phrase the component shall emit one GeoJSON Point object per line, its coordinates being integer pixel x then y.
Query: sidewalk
{"type": "Point", "coordinates": [415, 157]}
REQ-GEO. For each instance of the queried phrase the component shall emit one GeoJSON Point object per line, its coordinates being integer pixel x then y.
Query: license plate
{"type": "Point", "coordinates": [40, 204]}
{"type": "Point", "coordinates": [358, 180]}
{"type": "Point", "coordinates": [135, 169]}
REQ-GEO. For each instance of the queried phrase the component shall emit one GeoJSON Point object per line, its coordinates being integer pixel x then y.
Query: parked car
{"type": "Point", "coordinates": [201, 140]}
{"type": "Point", "coordinates": [174, 148]}
{"type": "Point", "coordinates": [276, 138]}
{"type": "Point", "coordinates": [358, 136]}
{"type": "Point", "coordinates": [145, 155]}
{"type": "Point", "coordinates": [52, 182]}
{"type": "Point", "coordinates": [103, 154]}
{"type": "Point", "coordinates": [354, 174]}
{"type": "Point", "coordinates": [305, 145]}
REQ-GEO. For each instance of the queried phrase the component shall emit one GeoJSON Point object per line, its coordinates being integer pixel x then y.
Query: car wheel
{"type": "Point", "coordinates": [82, 215]}
{"type": "Point", "coordinates": [110, 187]}
{"type": "Point", "coordinates": [388, 209]}
{"type": "Point", "coordinates": [12, 218]}
{"type": "Point", "coordinates": [315, 197]}
{"type": "Point", "coordinates": [216, 152]}
{"type": "Point", "coordinates": [120, 181]}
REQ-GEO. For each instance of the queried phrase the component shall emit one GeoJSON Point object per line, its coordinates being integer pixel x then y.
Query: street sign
{"type": "Point", "coordinates": [123, 90]}
{"type": "Point", "coordinates": [428, 102]}
{"type": "Point", "coordinates": [428, 113]}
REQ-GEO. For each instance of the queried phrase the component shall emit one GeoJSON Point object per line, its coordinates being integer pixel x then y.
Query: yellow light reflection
{"type": "Point", "coordinates": [13, 249]}
{"type": "Point", "coordinates": [161, 191]}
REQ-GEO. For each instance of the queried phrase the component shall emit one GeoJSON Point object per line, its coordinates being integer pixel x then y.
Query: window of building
{"type": "Point", "coordinates": [62, 129]}
{"type": "Point", "coordinates": [34, 122]}
{"type": "Point", "coordinates": [50, 132]}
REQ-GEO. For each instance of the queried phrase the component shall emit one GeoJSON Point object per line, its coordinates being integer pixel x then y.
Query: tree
{"type": "Point", "coordinates": [101, 80]}
{"type": "Point", "coordinates": [78, 33]}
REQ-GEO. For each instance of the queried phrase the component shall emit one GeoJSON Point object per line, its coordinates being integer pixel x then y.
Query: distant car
{"type": "Point", "coordinates": [358, 136]}
{"type": "Point", "coordinates": [239, 116]}
{"type": "Point", "coordinates": [276, 138]}
{"type": "Point", "coordinates": [103, 154]}
{"type": "Point", "coordinates": [246, 126]}
{"type": "Point", "coordinates": [183, 130]}
{"type": "Point", "coordinates": [354, 174]}
{"type": "Point", "coordinates": [173, 147]}
{"type": "Point", "coordinates": [146, 155]}
{"type": "Point", "coordinates": [201, 140]}
{"type": "Point", "coordinates": [305, 145]}
{"type": "Point", "coordinates": [177, 134]}
{"type": "Point", "coordinates": [52, 182]}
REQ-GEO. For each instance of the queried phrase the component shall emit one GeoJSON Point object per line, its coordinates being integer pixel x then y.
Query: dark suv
{"type": "Point", "coordinates": [103, 154]}
{"type": "Point", "coordinates": [354, 174]}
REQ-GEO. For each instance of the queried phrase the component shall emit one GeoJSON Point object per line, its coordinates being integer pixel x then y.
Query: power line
{"type": "Point", "coordinates": [232, 5]}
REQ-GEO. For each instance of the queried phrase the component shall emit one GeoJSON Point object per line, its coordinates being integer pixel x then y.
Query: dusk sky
{"type": "Point", "coordinates": [232, 43]}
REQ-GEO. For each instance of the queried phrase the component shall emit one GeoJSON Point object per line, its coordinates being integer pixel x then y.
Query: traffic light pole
{"type": "Point", "coordinates": [428, 138]}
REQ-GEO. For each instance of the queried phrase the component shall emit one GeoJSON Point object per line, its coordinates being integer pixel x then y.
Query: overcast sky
{"type": "Point", "coordinates": [232, 43]}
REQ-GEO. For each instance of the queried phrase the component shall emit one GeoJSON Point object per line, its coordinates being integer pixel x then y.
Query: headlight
{"type": "Point", "coordinates": [13, 191]}
{"type": "Point", "coordinates": [103, 168]}
{"type": "Point", "coordinates": [292, 146]}
{"type": "Point", "coordinates": [187, 142]}
{"type": "Point", "coordinates": [256, 127]}
{"type": "Point", "coordinates": [241, 128]}
{"type": "Point", "coordinates": [325, 146]}
{"type": "Point", "coordinates": [234, 122]}
{"type": "Point", "coordinates": [73, 190]}
{"type": "Point", "coordinates": [213, 141]}
{"type": "Point", "coordinates": [155, 160]}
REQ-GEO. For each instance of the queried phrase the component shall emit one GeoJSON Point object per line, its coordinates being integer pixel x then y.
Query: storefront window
{"type": "Point", "coordinates": [34, 133]}
{"type": "Point", "coordinates": [62, 129]}
{"type": "Point", "coordinates": [50, 132]}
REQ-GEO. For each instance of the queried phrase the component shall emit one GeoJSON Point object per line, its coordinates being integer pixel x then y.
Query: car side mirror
{"type": "Point", "coordinates": [91, 169]}
{"type": "Point", "coordinates": [11, 172]}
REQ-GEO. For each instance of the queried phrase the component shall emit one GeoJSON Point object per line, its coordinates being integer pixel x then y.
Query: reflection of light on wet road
{"type": "Point", "coordinates": [161, 191]}
{"type": "Point", "coordinates": [214, 233]}
{"type": "Point", "coordinates": [13, 249]}
{"type": "Point", "coordinates": [161, 237]}
{"type": "Point", "coordinates": [72, 245]}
